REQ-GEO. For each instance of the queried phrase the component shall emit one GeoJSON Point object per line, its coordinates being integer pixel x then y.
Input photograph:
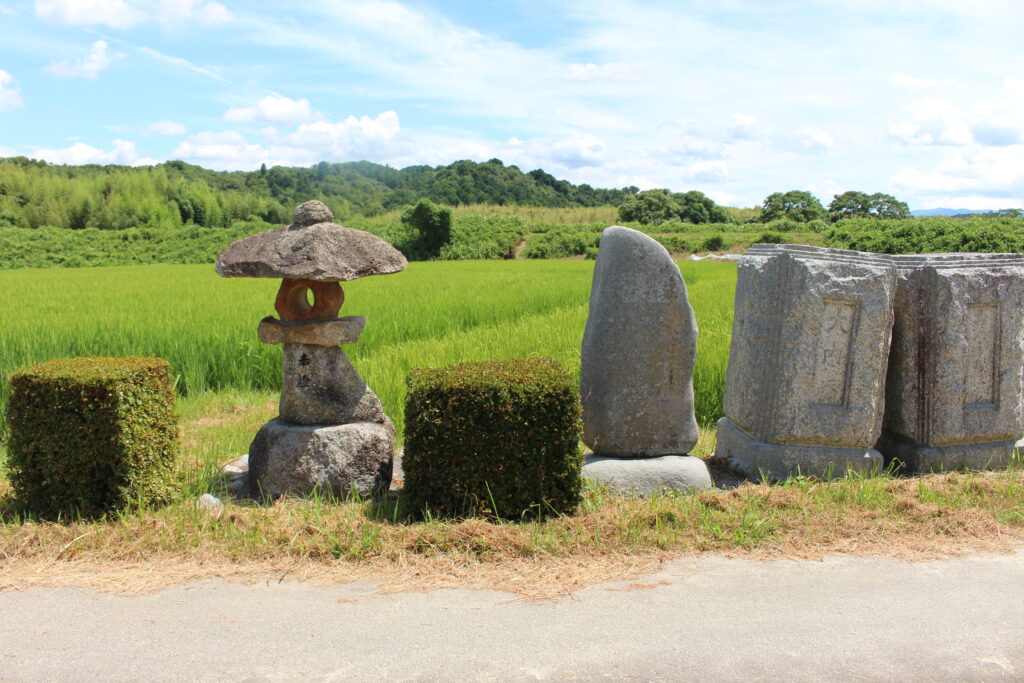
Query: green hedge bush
{"type": "Point", "coordinates": [770, 238]}
{"type": "Point", "coordinates": [498, 438]}
{"type": "Point", "coordinates": [560, 243]}
{"type": "Point", "coordinates": [89, 436]}
{"type": "Point", "coordinates": [673, 243]}
{"type": "Point", "coordinates": [927, 235]}
{"type": "Point", "coordinates": [713, 243]}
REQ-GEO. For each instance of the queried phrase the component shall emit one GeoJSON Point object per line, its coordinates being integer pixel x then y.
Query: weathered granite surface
{"type": "Point", "coordinates": [320, 387]}
{"type": "Point", "coordinates": [314, 251]}
{"type": "Point", "coordinates": [764, 461]}
{"type": "Point", "coordinates": [807, 363]}
{"type": "Point", "coordinates": [645, 476]}
{"type": "Point", "coordinates": [639, 346]}
{"type": "Point", "coordinates": [289, 459]}
{"type": "Point", "coordinates": [953, 393]}
{"type": "Point", "coordinates": [293, 305]}
{"type": "Point", "coordinates": [344, 330]}
{"type": "Point", "coordinates": [310, 213]}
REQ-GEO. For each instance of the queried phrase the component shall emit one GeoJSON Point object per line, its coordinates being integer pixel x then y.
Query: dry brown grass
{"type": "Point", "coordinates": [611, 538]}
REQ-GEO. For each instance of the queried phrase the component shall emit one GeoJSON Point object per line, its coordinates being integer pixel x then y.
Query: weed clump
{"type": "Point", "coordinates": [498, 438]}
{"type": "Point", "coordinates": [91, 435]}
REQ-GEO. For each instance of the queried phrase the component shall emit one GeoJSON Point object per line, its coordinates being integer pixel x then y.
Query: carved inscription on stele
{"type": "Point", "coordinates": [835, 349]}
{"type": "Point", "coordinates": [983, 342]}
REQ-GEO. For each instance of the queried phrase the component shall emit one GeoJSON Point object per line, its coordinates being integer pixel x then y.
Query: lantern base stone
{"type": "Point", "coordinates": [291, 459]}
{"type": "Point", "coordinates": [644, 476]}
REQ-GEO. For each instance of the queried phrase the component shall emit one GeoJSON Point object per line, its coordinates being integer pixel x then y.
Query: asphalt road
{"type": "Point", "coordinates": [699, 619]}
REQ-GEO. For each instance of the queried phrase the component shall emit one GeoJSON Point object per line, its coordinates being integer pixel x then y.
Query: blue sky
{"type": "Point", "coordinates": [923, 99]}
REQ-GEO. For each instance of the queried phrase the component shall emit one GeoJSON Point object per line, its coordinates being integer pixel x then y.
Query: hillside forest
{"type": "Point", "coordinates": [174, 212]}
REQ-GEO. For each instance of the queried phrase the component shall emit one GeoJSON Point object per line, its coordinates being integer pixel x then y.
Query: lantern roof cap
{"type": "Point", "coordinates": [313, 247]}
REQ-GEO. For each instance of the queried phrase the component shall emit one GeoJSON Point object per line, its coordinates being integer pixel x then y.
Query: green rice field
{"type": "Point", "coordinates": [432, 314]}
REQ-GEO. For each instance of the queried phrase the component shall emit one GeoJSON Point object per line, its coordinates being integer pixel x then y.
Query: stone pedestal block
{"type": "Point", "coordinates": [770, 461]}
{"type": "Point", "coordinates": [645, 476]}
{"type": "Point", "coordinates": [810, 344]}
{"type": "Point", "coordinates": [953, 393]}
{"type": "Point", "coordinates": [290, 459]}
{"type": "Point", "coordinates": [320, 332]}
{"type": "Point", "coordinates": [636, 380]}
{"type": "Point", "coordinates": [322, 388]}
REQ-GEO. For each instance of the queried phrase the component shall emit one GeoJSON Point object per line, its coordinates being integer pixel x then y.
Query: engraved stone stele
{"type": "Point", "coordinates": [810, 342]}
{"type": "Point", "coordinates": [331, 434]}
{"type": "Point", "coordinates": [636, 379]}
{"type": "Point", "coordinates": [953, 393]}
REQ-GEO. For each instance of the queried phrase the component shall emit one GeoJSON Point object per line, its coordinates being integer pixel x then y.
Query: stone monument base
{"type": "Point", "coordinates": [986, 455]}
{"type": "Point", "coordinates": [644, 476]}
{"type": "Point", "coordinates": [772, 461]}
{"type": "Point", "coordinates": [287, 458]}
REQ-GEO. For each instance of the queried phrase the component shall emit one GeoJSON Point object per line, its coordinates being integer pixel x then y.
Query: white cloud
{"type": "Point", "coordinates": [112, 13]}
{"type": "Point", "coordinates": [993, 122]}
{"type": "Point", "coordinates": [814, 140]}
{"type": "Point", "coordinates": [707, 171]}
{"type": "Point", "coordinates": [602, 72]}
{"type": "Point", "coordinates": [171, 11]}
{"type": "Point", "coordinates": [121, 15]}
{"type": "Point", "coordinates": [579, 150]}
{"type": "Point", "coordinates": [970, 201]}
{"type": "Point", "coordinates": [1000, 121]}
{"type": "Point", "coordinates": [183, 63]}
{"type": "Point", "coordinates": [10, 96]}
{"type": "Point", "coordinates": [743, 127]}
{"type": "Point", "coordinates": [227, 150]}
{"type": "Point", "coordinates": [6, 10]}
{"type": "Point", "coordinates": [984, 171]}
{"type": "Point", "coordinates": [933, 121]}
{"type": "Point", "coordinates": [272, 109]}
{"type": "Point", "coordinates": [349, 139]}
{"type": "Point", "coordinates": [124, 152]}
{"type": "Point", "coordinates": [89, 67]}
{"type": "Point", "coordinates": [167, 128]}
{"type": "Point", "coordinates": [917, 83]}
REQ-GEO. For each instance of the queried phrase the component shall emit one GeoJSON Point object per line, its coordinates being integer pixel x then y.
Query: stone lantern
{"type": "Point", "coordinates": [331, 433]}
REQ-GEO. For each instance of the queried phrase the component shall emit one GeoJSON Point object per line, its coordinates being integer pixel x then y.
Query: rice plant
{"type": "Point", "coordinates": [431, 314]}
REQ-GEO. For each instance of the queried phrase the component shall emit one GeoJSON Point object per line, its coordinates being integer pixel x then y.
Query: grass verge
{"type": "Point", "coordinates": [610, 538]}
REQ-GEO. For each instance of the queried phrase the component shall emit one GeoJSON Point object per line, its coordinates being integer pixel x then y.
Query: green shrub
{"type": "Point", "coordinates": [770, 238]}
{"type": "Point", "coordinates": [89, 436]}
{"type": "Point", "coordinates": [673, 243]}
{"type": "Point", "coordinates": [484, 236]}
{"type": "Point", "coordinates": [591, 253]}
{"type": "Point", "coordinates": [433, 224]}
{"type": "Point", "coordinates": [926, 235]}
{"type": "Point", "coordinates": [498, 438]}
{"type": "Point", "coordinates": [713, 243]}
{"type": "Point", "coordinates": [652, 207]}
{"type": "Point", "coordinates": [562, 242]}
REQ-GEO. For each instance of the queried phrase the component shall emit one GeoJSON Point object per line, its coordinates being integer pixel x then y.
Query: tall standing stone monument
{"type": "Point", "coordinates": [953, 394]}
{"type": "Point", "coordinates": [331, 433]}
{"type": "Point", "coordinates": [810, 343]}
{"type": "Point", "coordinates": [636, 381]}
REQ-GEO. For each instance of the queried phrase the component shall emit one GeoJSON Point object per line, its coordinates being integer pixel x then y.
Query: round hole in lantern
{"type": "Point", "coordinates": [305, 300]}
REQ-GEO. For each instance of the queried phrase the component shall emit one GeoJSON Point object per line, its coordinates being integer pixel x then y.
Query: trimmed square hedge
{"type": "Point", "coordinates": [498, 438]}
{"type": "Point", "coordinates": [91, 435]}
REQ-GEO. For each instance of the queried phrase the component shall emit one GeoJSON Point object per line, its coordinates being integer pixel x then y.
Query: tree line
{"type": "Point", "coordinates": [174, 194]}
{"type": "Point", "coordinates": [652, 207]}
